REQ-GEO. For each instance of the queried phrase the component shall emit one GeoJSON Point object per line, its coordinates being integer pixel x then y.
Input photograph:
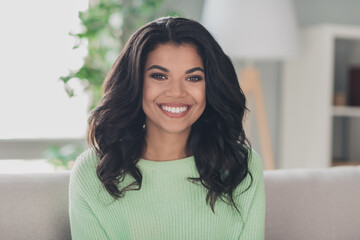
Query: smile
{"type": "Point", "coordinates": [175, 110]}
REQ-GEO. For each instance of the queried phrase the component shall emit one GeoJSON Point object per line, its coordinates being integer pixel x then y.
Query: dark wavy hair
{"type": "Point", "coordinates": [217, 139]}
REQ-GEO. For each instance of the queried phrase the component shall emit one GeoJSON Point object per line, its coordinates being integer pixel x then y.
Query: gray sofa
{"type": "Point", "coordinates": [319, 204]}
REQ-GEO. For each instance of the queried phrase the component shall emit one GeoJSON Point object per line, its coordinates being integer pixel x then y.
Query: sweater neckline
{"type": "Point", "coordinates": [177, 163]}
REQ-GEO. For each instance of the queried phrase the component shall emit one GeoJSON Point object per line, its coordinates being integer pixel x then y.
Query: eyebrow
{"type": "Point", "coordinates": [194, 70]}
{"type": "Point", "coordinates": [158, 67]}
{"type": "Point", "coordinates": [167, 70]}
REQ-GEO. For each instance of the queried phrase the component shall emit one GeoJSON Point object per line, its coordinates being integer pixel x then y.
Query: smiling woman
{"type": "Point", "coordinates": [173, 99]}
{"type": "Point", "coordinates": [167, 145]}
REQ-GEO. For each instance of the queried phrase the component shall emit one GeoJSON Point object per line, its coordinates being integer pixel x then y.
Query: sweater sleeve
{"type": "Point", "coordinates": [254, 224]}
{"type": "Point", "coordinates": [83, 223]}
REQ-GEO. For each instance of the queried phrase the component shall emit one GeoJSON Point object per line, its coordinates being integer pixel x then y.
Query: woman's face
{"type": "Point", "coordinates": [174, 88]}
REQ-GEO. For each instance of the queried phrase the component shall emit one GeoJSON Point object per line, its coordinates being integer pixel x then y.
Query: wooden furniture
{"type": "Point", "coordinates": [250, 83]}
{"type": "Point", "coordinates": [311, 135]}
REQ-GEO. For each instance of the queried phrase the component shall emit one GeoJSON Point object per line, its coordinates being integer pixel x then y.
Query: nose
{"type": "Point", "coordinates": [176, 88]}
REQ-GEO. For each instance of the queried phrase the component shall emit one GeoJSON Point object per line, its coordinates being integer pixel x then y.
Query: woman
{"type": "Point", "coordinates": [168, 156]}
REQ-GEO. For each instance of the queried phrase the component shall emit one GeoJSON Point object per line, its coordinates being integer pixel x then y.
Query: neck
{"type": "Point", "coordinates": [165, 146]}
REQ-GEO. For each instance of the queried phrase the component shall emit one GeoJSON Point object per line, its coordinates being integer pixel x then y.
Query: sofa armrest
{"type": "Point", "coordinates": [34, 206]}
{"type": "Point", "coordinates": [313, 204]}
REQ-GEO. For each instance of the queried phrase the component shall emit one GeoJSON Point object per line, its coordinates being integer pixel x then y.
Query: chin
{"type": "Point", "coordinates": [177, 129]}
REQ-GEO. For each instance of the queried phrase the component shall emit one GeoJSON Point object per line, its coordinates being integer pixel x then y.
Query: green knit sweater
{"type": "Point", "coordinates": [167, 207]}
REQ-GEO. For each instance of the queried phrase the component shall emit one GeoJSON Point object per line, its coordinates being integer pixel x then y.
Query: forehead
{"type": "Point", "coordinates": [174, 55]}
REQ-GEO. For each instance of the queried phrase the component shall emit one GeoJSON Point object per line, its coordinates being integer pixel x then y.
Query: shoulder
{"type": "Point", "coordinates": [250, 191]}
{"type": "Point", "coordinates": [255, 163]}
{"type": "Point", "coordinates": [87, 159]}
{"type": "Point", "coordinates": [255, 166]}
{"type": "Point", "coordinates": [254, 179]}
{"type": "Point", "coordinates": [83, 174]}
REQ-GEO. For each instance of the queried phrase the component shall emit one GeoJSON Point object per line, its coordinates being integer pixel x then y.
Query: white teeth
{"type": "Point", "coordinates": [174, 109]}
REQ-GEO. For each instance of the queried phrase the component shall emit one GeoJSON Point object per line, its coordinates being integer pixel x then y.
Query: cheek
{"type": "Point", "coordinates": [147, 92]}
{"type": "Point", "coordinates": [145, 98]}
{"type": "Point", "coordinates": [150, 93]}
{"type": "Point", "coordinates": [200, 95]}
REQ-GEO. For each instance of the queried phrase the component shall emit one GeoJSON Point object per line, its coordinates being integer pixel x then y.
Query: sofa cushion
{"type": "Point", "coordinates": [300, 204]}
{"type": "Point", "coordinates": [321, 204]}
{"type": "Point", "coordinates": [34, 206]}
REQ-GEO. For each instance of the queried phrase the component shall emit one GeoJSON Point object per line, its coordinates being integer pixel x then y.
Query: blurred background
{"type": "Point", "coordinates": [54, 56]}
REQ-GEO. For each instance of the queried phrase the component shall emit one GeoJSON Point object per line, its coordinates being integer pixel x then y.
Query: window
{"type": "Point", "coordinates": [35, 50]}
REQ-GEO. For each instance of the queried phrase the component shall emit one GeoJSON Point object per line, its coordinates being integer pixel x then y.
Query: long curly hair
{"type": "Point", "coordinates": [217, 139]}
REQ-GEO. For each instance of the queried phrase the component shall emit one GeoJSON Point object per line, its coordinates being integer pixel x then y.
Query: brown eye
{"type": "Point", "coordinates": [158, 76]}
{"type": "Point", "coordinates": [194, 78]}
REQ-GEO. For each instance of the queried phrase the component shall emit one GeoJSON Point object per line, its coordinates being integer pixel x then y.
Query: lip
{"type": "Point", "coordinates": [174, 115]}
{"type": "Point", "coordinates": [175, 104]}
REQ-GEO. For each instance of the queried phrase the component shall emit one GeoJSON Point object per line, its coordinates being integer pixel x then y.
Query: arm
{"type": "Point", "coordinates": [254, 221]}
{"type": "Point", "coordinates": [83, 222]}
